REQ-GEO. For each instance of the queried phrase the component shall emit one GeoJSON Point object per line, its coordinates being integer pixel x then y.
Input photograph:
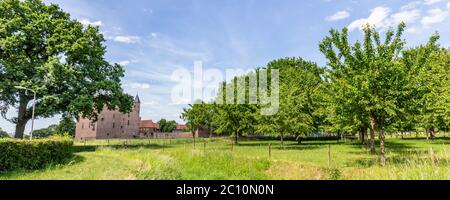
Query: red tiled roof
{"type": "Point", "coordinates": [181, 127]}
{"type": "Point", "coordinates": [148, 124]}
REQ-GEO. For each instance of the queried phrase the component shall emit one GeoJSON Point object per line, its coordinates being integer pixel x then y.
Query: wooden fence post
{"type": "Point", "coordinates": [204, 147]}
{"type": "Point", "coordinates": [329, 155]}
{"type": "Point", "coordinates": [433, 157]}
{"type": "Point", "coordinates": [163, 145]}
{"type": "Point", "coordinates": [270, 150]}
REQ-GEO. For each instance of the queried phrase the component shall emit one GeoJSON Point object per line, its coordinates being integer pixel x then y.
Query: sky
{"type": "Point", "coordinates": [151, 39]}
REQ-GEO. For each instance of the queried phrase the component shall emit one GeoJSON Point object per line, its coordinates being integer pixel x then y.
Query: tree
{"type": "Point", "coordinates": [41, 48]}
{"type": "Point", "coordinates": [300, 99]}
{"type": "Point", "coordinates": [428, 78]}
{"type": "Point", "coordinates": [233, 116]}
{"type": "Point", "coordinates": [66, 126]}
{"type": "Point", "coordinates": [371, 71]}
{"type": "Point", "coordinates": [45, 132]}
{"type": "Point", "coordinates": [192, 117]}
{"type": "Point", "coordinates": [3, 134]}
{"type": "Point", "coordinates": [167, 126]}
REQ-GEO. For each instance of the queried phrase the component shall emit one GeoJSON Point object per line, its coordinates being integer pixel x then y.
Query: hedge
{"type": "Point", "coordinates": [34, 154]}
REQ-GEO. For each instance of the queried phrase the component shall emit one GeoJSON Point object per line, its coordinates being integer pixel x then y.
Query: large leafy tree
{"type": "Point", "coordinates": [42, 49]}
{"type": "Point", "coordinates": [194, 116]}
{"type": "Point", "coordinates": [234, 115]}
{"type": "Point", "coordinates": [428, 78]}
{"type": "Point", "coordinates": [372, 73]}
{"type": "Point", "coordinates": [300, 99]}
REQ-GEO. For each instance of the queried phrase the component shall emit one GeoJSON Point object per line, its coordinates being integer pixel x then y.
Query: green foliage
{"type": "Point", "coordinates": [63, 61]}
{"type": "Point", "coordinates": [3, 134]}
{"type": "Point", "coordinates": [301, 99]}
{"type": "Point", "coordinates": [45, 132]}
{"type": "Point", "coordinates": [66, 126]}
{"type": "Point", "coordinates": [167, 126]}
{"type": "Point", "coordinates": [34, 154]}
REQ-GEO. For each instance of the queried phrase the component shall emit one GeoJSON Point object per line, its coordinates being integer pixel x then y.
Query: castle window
{"type": "Point", "coordinates": [82, 125]}
{"type": "Point", "coordinates": [128, 122]}
{"type": "Point", "coordinates": [114, 115]}
{"type": "Point", "coordinates": [114, 125]}
{"type": "Point", "coordinates": [103, 119]}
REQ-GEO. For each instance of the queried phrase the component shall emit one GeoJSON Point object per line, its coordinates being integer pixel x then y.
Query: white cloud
{"type": "Point", "coordinates": [412, 30]}
{"type": "Point", "coordinates": [448, 5]}
{"type": "Point", "coordinates": [338, 16]}
{"type": "Point", "coordinates": [149, 103]}
{"type": "Point", "coordinates": [87, 22]}
{"type": "Point", "coordinates": [430, 2]}
{"type": "Point", "coordinates": [377, 17]}
{"type": "Point", "coordinates": [434, 16]}
{"type": "Point", "coordinates": [169, 45]}
{"type": "Point", "coordinates": [407, 16]}
{"type": "Point", "coordinates": [138, 85]}
{"type": "Point", "coordinates": [126, 39]}
{"type": "Point", "coordinates": [381, 17]}
{"type": "Point", "coordinates": [411, 5]}
{"type": "Point", "coordinates": [154, 34]}
{"type": "Point", "coordinates": [124, 62]}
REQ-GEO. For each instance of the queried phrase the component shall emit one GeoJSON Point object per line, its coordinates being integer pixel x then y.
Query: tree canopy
{"type": "Point", "coordinates": [167, 126]}
{"type": "Point", "coordinates": [44, 50]}
{"type": "Point", "coordinates": [375, 85]}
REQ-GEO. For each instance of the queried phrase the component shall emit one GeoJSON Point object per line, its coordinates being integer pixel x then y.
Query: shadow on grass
{"type": "Point", "coordinates": [73, 160]}
{"type": "Point", "coordinates": [93, 148]}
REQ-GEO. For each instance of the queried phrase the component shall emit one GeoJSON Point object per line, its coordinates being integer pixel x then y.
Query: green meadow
{"type": "Point", "coordinates": [409, 158]}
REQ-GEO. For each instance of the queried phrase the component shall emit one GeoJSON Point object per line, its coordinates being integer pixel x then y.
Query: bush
{"type": "Point", "coordinates": [35, 154]}
{"type": "Point", "coordinates": [3, 134]}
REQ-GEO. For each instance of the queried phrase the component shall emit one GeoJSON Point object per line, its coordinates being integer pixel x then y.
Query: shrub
{"type": "Point", "coordinates": [35, 154]}
{"type": "Point", "coordinates": [3, 134]}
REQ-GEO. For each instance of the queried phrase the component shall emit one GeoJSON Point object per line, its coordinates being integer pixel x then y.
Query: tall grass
{"type": "Point", "coordinates": [160, 159]}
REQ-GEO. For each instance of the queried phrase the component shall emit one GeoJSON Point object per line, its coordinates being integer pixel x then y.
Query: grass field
{"type": "Point", "coordinates": [409, 158]}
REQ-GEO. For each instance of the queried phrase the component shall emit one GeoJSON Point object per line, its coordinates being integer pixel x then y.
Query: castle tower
{"type": "Point", "coordinates": [111, 124]}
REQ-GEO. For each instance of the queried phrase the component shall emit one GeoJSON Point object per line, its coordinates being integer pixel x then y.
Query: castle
{"type": "Point", "coordinates": [111, 124]}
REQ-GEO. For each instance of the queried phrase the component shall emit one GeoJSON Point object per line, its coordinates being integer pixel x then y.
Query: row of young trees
{"type": "Point", "coordinates": [368, 87]}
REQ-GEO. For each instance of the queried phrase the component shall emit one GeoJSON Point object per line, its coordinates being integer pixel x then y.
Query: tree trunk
{"type": "Point", "coordinates": [282, 140]}
{"type": "Point", "coordinates": [362, 133]}
{"type": "Point", "coordinates": [382, 147]}
{"type": "Point", "coordinates": [432, 134]}
{"type": "Point", "coordinates": [193, 136]}
{"type": "Point", "coordinates": [236, 138]}
{"type": "Point", "coordinates": [402, 134]}
{"type": "Point", "coordinates": [22, 118]}
{"type": "Point", "coordinates": [426, 133]}
{"type": "Point", "coordinates": [372, 135]}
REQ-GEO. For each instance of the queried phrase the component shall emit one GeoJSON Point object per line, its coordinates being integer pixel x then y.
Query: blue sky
{"type": "Point", "coordinates": [152, 38]}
